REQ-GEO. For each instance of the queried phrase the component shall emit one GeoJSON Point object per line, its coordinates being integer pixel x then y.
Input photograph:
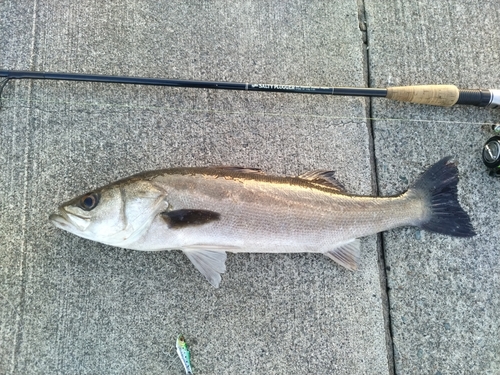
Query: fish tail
{"type": "Point", "coordinates": [438, 188]}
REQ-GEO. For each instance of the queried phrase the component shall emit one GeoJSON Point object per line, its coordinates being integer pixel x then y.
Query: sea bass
{"type": "Point", "coordinates": [208, 211]}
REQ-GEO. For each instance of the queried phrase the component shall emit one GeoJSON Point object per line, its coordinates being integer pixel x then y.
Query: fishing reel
{"type": "Point", "coordinates": [491, 153]}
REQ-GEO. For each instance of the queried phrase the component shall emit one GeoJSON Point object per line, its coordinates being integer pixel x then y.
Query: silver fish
{"type": "Point", "coordinates": [206, 212]}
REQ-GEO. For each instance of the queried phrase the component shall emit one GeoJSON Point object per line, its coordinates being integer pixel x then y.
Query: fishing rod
{"type": "Point", "coordinates": [439, 95]}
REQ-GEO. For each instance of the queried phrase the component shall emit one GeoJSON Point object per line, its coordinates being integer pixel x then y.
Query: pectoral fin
{"type": "Point", "coordinates": [187, 217]}
{"type": "Point", "coordinates": [211, 263]}
{"type": "Point", "coordinates": [346, 254]}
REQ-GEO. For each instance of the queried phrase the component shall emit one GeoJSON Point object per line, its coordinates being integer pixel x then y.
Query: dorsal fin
{"type": "Point", "coordinates": [237, 169]}
{"type": "Point", "coordinates": [323, 177]}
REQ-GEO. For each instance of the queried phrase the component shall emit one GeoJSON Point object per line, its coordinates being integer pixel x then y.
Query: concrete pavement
{"type": "Point", "coordinates": [68, 305]}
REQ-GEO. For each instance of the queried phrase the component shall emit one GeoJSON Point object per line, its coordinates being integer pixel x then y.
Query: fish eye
{"type": "Point", "coordinates": [89, 201]}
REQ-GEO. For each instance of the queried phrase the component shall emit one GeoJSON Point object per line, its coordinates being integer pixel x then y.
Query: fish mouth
{"type": "Point", "coordinates": [71, 222]}
{"type": "Point", "coordinates": [59, 221]}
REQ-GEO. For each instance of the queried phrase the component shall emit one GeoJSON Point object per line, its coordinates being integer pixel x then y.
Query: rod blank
{"type": "Point", "coordinates": [440, 95]}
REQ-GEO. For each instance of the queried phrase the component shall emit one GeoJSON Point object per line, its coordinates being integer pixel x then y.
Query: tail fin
{"type": "Point", "coordinates": [438, 185]}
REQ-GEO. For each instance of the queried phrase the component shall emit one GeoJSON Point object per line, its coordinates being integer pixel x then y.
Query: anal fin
{"type": "Point", "coordinates": [346, 254]}
{"type": "Point", "coordinates": [211, 263]}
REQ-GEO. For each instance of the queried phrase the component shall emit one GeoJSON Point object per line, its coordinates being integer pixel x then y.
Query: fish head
{"type": "Point", "coordinates": [116, 214]}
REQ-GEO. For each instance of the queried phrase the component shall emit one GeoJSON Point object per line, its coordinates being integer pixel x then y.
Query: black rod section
{"type": "Point", "coordinates": [480, 98]}
{"type": "Point", "coordinates": [346, 91]}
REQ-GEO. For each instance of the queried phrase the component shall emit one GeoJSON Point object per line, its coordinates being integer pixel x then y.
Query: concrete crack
{"type": "Point", "coordinates": [363, 27]}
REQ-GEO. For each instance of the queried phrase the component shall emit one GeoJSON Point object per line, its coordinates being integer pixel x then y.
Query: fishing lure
{"type": "Point", "coordinates": [184, 355]}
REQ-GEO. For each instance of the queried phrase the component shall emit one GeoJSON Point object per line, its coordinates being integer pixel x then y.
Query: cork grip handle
{"type": "Point", "coordinates": [442, 95]}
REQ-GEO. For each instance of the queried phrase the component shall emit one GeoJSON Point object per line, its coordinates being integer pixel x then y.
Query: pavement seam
{"type": "Point", "coordinates": [381, 259]}
{"type": "Point", "coordinates": [23, 247]}
{"type": "Point", "coordinates": [18, 337]}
